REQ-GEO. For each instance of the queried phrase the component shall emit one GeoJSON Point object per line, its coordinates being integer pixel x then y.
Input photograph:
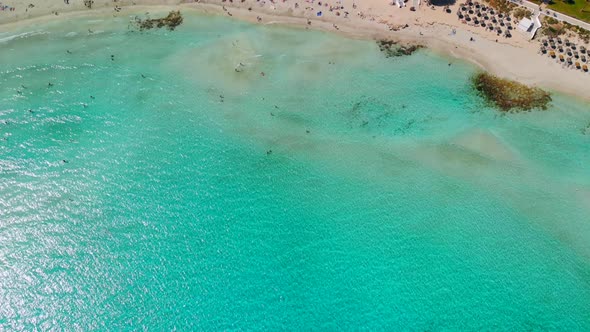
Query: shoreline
{"type": "Point", "coordinates": [514, 59]}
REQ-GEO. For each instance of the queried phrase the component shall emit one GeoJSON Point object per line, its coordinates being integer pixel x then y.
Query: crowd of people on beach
{"type": "Point", "coordinates": [6, 8]}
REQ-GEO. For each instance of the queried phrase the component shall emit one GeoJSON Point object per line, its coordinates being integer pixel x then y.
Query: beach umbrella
{"type": "Point", "coordinates": [585, 68]}
{"type": "Point", "coordinates": [559, 40]}
{"type": "Point", "coordinates": [483, 24]}
{"type": "Point", "coordinates": [552, 54]}
{"type": "Point", "coordinates": [583, 58]}
{"type": "Point", "coordinates": [567, 42]}
{"type": "Point", "coordinates": [561, 58]}
{"type": "Point", "coordinates": [573, 46]}
{"type": "Point", "coordinates": [508, 18]}
{"type": "Point", "coordinates": [576, 55]}
{"type": "Point", "coordinates": [543, 50]}
{"type": "Point", "coordinates": [569, 60]}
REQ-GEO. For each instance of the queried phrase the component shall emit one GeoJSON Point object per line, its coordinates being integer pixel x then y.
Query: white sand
{"type": "Point", "coordinates": [514, 58]}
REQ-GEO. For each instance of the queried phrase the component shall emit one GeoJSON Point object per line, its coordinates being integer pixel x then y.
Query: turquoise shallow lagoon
{"type": "Point", "coordinates": [173, 186]}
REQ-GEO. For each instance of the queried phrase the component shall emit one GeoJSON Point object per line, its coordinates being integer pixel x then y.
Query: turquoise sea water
{"type": "Point", "coordinates": [341, 190]}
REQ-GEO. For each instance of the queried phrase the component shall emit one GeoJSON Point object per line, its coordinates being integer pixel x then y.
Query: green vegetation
{"type": "Point", "coordinates": [509, 95]}
{"type": "Point", "coordinates": [503, 6]}
{"type": "Point", "coordinates": [582, 33]}
{"type": "Point", "coordinates": [520, 12]}
{"type": "Point", "coordinates": [579, 9]}
{"type": "Point", "coordinates": [554, 28]}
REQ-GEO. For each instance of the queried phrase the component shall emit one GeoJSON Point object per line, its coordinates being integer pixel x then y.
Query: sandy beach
{"type": "Point", "coordinates": [515, 58]}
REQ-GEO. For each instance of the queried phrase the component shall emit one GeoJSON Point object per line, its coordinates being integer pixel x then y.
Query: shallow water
{"type": "Point", "coordinates": [341, 190]}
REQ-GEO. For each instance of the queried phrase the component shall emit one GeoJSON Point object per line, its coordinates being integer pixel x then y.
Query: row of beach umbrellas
{"type": "Point", "coordinates": [485, 17]}
{"type": "Point", "coordinates": [566, 52]}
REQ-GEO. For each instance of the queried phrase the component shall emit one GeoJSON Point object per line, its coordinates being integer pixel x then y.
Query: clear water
{"type": "Point", "coordinates": [341, 190]}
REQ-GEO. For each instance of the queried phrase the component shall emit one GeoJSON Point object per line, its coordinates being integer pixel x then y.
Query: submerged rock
{"type": "Point", "coordinates": [509, 95]}
{"type": "Point", "coordinates": [393, 49]}
{"type": "Point", "coordinates": [171, 21]}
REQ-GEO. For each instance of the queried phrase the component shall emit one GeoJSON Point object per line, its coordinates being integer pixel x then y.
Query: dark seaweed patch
{"type": "Point", "coordinates": [392, 49]}
{"type": "Point", "coordinates": [509, 95]}
{"type": "Point", "coordinates": [171, 21]}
